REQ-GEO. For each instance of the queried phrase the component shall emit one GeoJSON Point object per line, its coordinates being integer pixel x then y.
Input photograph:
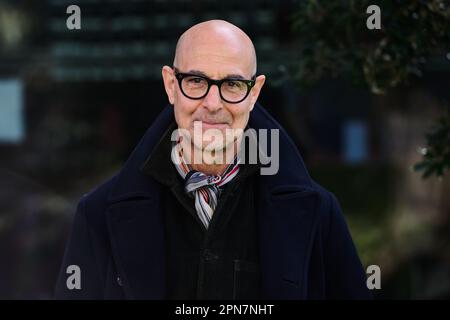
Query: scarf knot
{"type": "Point", "coordinates": [205, 189]}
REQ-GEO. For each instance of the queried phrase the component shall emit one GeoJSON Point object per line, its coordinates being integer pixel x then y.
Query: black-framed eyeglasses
{"type": "Point", "coordinates": [231, 90]}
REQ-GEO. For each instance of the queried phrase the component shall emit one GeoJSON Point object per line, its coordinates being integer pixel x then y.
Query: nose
{"type": "Point", "coordinates": [212, 100]}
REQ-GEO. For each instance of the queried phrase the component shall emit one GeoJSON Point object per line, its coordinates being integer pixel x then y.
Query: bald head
{"type": "Point", "coordinates": [213, 39]}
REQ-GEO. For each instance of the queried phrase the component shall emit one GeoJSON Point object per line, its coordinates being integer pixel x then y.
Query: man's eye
{"type": "Point", "coordinates": [234, 84]}
{"type": "Point", "coordinates": [195, 80]}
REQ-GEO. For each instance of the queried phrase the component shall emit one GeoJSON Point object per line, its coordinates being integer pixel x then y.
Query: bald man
{"type": "Point", "coordinates": [200, 210]}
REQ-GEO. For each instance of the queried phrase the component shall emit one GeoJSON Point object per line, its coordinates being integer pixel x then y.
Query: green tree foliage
{"type": "Point", "coordinates": [334, 41]}
{"type": "Point", "coordinates": [436, 156]}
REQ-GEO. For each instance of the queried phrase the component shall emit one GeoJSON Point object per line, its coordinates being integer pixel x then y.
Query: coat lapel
{"type": "Point", "coordinates": [286, 206]}
{"type": "Point", "coordinates": [138, 247]}
{"type": "Point", "coordinates": [286, 224]}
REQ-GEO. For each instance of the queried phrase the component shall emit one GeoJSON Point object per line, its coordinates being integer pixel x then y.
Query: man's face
{"type": "Point", "coordinates": [215, 60]}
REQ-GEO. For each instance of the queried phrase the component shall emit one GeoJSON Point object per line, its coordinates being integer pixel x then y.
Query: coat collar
{"type": "Point", "coordinates": [286, 204]}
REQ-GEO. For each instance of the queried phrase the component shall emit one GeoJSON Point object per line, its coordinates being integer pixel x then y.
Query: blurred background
{"type": "Point", "coordinates": [368, 109]}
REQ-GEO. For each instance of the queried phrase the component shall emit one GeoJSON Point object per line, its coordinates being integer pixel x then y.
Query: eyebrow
{"type": "Point", "coordinates": [228, 76]}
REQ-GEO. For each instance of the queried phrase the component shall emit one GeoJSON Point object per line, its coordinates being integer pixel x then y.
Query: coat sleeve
{"type": "Point", "coordinates": [79, 256]}
{"type": "Point", "coordinates": [345, 276]}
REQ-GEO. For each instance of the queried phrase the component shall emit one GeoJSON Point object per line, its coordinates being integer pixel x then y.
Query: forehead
{"type": "Point", "coordinates": [216, 59]}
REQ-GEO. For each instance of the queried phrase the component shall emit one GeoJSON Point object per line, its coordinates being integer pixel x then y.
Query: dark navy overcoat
{"type": "Point", "coordinates": [117, 237]}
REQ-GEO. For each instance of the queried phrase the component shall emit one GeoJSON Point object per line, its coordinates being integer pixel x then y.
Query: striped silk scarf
{"type": "Point", "coordinates": [204, 188]}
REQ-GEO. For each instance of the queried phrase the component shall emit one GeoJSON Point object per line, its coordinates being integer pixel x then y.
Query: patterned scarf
{"type": "Point", "coordinates": [204, 188]}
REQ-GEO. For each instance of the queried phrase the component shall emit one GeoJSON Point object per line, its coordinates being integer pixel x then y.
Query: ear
{"type": "Point", "coordinates": [169, 83]}
{"type": "Point", "coordinates": [254, 93]}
